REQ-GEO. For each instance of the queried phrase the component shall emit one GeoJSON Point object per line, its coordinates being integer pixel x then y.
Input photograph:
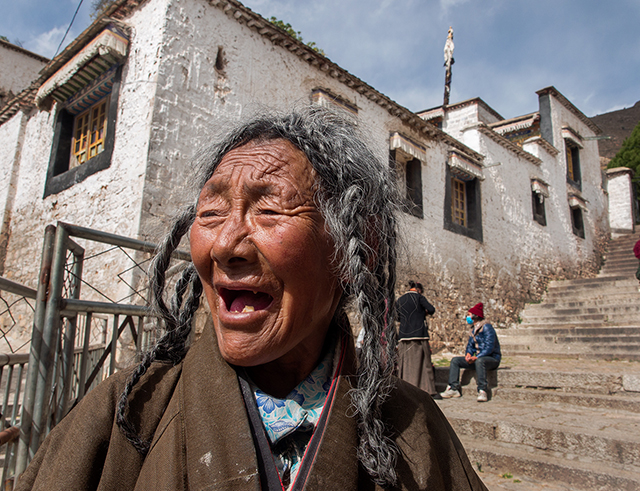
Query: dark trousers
{"type": "Point", "coordinates": [481, 366]}
{"type": "Point", "coordinates": [414, 364]}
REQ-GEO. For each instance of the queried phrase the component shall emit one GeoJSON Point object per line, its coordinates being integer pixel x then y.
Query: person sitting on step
{"type": "Point", "coordinates": [482, 354]}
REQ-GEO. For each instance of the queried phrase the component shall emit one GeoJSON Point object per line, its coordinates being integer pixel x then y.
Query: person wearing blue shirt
{"type": "Point", "coordinates": [482, 354]}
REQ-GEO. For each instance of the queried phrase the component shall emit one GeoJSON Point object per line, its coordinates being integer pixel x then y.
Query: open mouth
{"type": "Point", "coordinates": [245, 300]}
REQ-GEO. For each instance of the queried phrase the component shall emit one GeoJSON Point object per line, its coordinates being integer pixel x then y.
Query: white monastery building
{"type": "Point", "coordinates": [105, 136]}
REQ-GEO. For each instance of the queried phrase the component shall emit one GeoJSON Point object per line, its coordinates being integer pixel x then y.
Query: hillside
{"type": "Point", "coordinates": [618, 125]}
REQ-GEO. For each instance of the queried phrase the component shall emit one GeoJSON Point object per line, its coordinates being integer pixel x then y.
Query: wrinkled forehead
{"type": "Point", "coordinates": [273, 163]}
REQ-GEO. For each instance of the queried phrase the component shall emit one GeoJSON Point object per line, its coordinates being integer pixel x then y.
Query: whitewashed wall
{"type": "Point", "coordinates": [11, 139]}
{"type": "Point", "coordinates": [17, 68]}
{"type": "Point", "coordinates": [620, 192]}
{"type": "Point", "coordinates": [194, 102]}
{"type": "Point", "coordinates": [109, 200]}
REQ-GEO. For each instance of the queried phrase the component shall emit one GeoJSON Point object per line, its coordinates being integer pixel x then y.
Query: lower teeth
{"type": "Point", "coordinates": [248, 308]}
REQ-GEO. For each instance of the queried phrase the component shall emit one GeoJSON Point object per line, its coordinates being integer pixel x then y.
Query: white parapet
{"type": "Point", "coordinates": [621, 199]}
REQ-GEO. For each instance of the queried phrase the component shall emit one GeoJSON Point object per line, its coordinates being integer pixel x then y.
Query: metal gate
{"type": "Point", "coordinates": [74, 339]}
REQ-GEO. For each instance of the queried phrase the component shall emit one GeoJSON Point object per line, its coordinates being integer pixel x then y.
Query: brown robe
{"type": "Point", "coordinates": [195, 415]}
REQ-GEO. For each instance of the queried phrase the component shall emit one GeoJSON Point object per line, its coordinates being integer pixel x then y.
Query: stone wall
{"type": "Point", "coordinates": [621, 200]}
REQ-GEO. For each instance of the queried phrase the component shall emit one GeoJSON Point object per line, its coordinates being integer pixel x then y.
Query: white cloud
{"type": "Point", "coordinates": [46, 43]}
{"type": "Point", "coordinates": [447, 4]}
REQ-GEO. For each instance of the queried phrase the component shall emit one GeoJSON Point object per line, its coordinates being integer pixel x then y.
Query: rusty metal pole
{"type": "Point", "coordinates": [26, 417]}
{"type": "Point", "coordinates": [82, 378]}
{"type": "Point", "coordinates": [114, 344]}
{"type": "Point", "coordinates": [46, 365]}
{"type": "Point", "coordinates": [70, 334]}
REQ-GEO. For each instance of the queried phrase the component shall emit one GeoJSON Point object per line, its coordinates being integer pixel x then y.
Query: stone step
{"type": "Point", "coordinates": [574, 325]}
{"type": "Point", "coordinates": [586, 320]}
{"type": "Point", "coordinates": [581, 342]}
{"type": "Point", "coordinates": [597, 292]}
{"type": "Point", "coordinates": [613, 351]}
{"type": "Point", "coordinates": [563, 340]}
{"type": "Point", "coordinates": [626, 270]}
{"type": "Point", "coordinates": [554, 421]}
{"type": "Point", "coordinates": [626, 261]}
{"type": "Point", "coordinates": [549, 311]}
{"type": "Point", "coordinates": [570, 356]}
{"type": "Point", "coordinates": [632, 298]}
{"type": "Point", "coordinates": [591, 435]}
{"type": "Point", "coordinates": [619, 402]}
{"type": "Point", "coordinates": [629, 271]}
{"type": "Point", "coordinates": [621, 246]}
{"type": "Point", "coordinates": [574, 331]}
{"type": "Point", "coordinates": [609, 285]}
{"type": "Point", "coordinates": [588, 281]}
{"type": "Point", "coordinates": [581, 381]}
{"type": "Point", "coordinates": [577, 322]}
{"type": "Point", "coordinates": [612, 319]}
{"type": "Point", "coordinates": [547, 468]}
{"type": "Point", "coordinates": [596, 298]}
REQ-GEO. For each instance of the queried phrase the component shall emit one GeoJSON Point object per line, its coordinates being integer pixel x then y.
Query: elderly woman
{"type": "Point", "coordinates": [295, 221]}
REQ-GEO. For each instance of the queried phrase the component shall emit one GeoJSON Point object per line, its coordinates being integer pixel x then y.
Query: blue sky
{"type": "Point", "coordinates": [505, 50]}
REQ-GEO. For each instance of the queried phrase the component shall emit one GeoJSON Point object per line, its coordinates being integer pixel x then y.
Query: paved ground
{"type": "Point", "coordinates": [507, 481]}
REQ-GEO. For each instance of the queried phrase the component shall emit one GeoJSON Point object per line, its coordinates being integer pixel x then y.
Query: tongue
{"type": "Point", "coordinates": [248, 301]}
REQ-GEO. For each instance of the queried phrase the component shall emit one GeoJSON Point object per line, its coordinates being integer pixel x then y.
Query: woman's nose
{"type": "Point", "coordinates": [232, 244]}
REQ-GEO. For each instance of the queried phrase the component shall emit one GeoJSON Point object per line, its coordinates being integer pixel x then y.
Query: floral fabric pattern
{"type": "Point", "coordinates": [289, 422]}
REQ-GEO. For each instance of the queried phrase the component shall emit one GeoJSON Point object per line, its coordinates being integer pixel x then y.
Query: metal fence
{"type": "Point", "coordinates": [76, 339]}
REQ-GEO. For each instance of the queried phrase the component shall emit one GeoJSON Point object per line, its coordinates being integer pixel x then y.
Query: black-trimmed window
{"type": "Point", "coordinates": [572, 154]}
{"type": "Point", "coordinates": [537, 202]}
{"type": "Point", "coordinates": [413, 171]}
{"type": "Point", "coordinates": [577, 221]}
{"type": "Point", "coordinates": [84, 133]}
{"type": "Point", "coordinates": [410, 170]}
{"type": "Point", "coordinates": [462, 204]}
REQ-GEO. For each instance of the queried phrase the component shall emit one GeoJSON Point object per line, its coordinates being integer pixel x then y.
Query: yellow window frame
{"type": "Point", "coordinates": [89, 133]}
{"type": "Point", "coordinates": [569, 154]}
{"type": "Point", "coordinates": [459, 202]}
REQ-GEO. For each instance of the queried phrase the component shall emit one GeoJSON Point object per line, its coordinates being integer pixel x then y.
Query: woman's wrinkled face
{"type": "Point", "coordinates": [263, 255]}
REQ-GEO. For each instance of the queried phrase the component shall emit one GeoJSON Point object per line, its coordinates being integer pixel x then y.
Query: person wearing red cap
{"type": "Point", "coordinates": [482, 354]}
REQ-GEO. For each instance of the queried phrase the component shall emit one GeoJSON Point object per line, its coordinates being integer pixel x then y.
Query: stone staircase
{"type": "Point", "coordinates": [553, 424]}
{"type": "Point", "coordinates": [564, 411]}
{"type": "Point", "coordinates": [595, 318]}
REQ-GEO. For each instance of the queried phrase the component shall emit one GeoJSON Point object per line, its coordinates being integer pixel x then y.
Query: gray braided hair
{"type": "Point", "coordinates": [358, 200]}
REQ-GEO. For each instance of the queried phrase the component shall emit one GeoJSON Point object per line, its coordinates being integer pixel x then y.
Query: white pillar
{"type": "Point", "coordinates": [621, 200]}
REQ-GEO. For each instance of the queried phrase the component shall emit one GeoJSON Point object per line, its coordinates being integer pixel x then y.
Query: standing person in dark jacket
{"type": "Point", "coordinates": [414, 352]}
{"type": "Point", "coordinates": [482, 354]}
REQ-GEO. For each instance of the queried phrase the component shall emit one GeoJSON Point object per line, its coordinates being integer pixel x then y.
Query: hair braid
{"type": "Point", "coordinates": [376, 452]}
{"type": "Point", "coordinates": [172, 346]}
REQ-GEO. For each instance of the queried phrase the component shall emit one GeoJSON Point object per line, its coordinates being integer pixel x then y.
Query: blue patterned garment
{"type": "Point", "coordinates": [289, 422]}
